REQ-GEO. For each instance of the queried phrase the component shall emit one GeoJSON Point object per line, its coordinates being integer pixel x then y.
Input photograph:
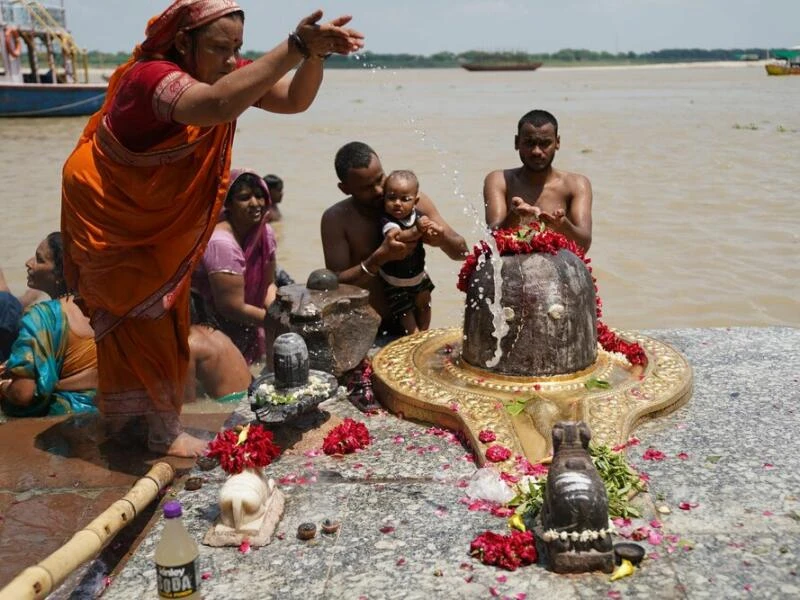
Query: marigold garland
{"type": "Point", "coordinates": [530, 239]}
{"type": "Point", "coordinates": [346, 437]}
{"type": "Point", "coordinates": [251, 447]}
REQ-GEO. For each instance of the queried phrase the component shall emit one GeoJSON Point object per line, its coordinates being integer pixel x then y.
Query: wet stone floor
{"type": "Point", "coordinates": [726, 468]}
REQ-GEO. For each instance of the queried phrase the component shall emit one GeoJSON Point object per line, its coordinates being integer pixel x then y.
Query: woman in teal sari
{"type": "Point", "coordinates": [52, 369]}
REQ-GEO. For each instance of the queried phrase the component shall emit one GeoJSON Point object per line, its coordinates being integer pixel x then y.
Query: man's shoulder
{"type": "Point", "coordinates": [339, 210]}
{"type": "Point", "coordinates": [570, 177]}
{"type": "Point", "coordinates": [501, 175]}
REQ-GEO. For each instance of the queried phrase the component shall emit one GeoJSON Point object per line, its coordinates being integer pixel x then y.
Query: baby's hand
{"type": "Point", "coordinates": [431, 231]}
{"type": "Point", "coordinates": [523, 209]}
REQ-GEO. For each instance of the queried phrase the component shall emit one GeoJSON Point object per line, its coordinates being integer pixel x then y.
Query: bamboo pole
{"type": "Point", "coordinates": [39, 581]}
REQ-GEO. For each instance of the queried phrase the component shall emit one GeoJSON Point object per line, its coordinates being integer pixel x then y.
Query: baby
{"type": "Point", "coordinates": [407, 286]}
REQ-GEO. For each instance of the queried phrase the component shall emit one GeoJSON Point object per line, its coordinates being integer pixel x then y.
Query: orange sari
{"type": "Point", "coordinates": [134, 225]}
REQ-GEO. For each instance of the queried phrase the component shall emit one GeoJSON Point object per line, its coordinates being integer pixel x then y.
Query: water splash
{"type": "Point", "coordinates": [471, 207]}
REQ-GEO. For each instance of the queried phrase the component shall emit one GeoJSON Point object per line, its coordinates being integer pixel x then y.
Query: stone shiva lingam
{"type": "Point", "coordinates": [532, 352]}
{"type": "Point", "coordinates": [335, 320]}
{"type": "Point", "coordinates": [574, 525]}
{"type": "Point", "coordinates": [293, 388]}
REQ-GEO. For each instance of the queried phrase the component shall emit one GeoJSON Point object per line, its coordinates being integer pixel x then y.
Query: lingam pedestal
{"type": "Point", "coordinates": [527, 358]}
{"type": "Point", "coordinates": [335, 320]}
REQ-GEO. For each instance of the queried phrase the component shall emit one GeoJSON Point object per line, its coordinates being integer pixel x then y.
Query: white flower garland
{"type": "Point", "coordinates": [317, 385]}
{"type": "Point", "coordinates": [583, 536]}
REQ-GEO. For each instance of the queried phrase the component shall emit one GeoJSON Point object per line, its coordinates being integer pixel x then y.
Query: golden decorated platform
{"type": "Point", "coordinates": [422, 377]}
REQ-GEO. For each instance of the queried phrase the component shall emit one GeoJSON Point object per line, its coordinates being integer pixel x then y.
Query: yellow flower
{"type": "Point", "coordinates": [515, 522]}
{"type": "Point", "coordinates": [624, 569]}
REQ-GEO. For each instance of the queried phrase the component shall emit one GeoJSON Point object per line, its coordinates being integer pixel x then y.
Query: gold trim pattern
{"type": "Point", "coordinates": [421, 376]}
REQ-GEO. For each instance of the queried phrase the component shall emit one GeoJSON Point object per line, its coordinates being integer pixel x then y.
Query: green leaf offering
{"type": "Point", "coordinates": [516, 407]}
{"type": "Point", "coordinates": [596, 384]}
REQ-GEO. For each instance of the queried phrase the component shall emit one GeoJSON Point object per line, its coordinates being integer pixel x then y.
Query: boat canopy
{"type": "Point", "coordinates": [41, 30]}
{"type": "Point", "coordinates": [792, 55]}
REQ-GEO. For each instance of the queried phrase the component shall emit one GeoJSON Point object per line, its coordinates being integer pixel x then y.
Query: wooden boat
{"type": "Point", "coordinates": [782, 69]}
{"type": "Point", "coordinates": [786, 62]}
{"type": "Point", "coordinates": [31, 30]}
{"type": "Point", "coordinates": [489, 66]}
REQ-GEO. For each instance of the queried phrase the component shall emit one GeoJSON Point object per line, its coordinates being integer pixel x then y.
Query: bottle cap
{"type": "Point", "coordinates": [172, 509]}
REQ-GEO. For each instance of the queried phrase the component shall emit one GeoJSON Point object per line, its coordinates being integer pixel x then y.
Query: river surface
{"type": "Point", "coordinates": [695, 171]}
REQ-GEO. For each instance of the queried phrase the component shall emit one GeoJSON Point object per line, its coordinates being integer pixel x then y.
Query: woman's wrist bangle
{"type": "Point", "coordinates": [367, 271]}
{"type": "Point", "coordinates": [296, 41]}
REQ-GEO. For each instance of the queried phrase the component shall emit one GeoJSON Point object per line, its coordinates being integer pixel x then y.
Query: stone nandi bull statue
{"type": "Point", "coordinates": [575, 526]}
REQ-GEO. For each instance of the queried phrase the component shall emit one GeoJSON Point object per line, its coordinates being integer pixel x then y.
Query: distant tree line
{"type": "Point", "coordinates": [567, 56]}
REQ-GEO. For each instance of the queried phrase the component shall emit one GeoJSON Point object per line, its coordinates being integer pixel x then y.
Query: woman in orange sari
{"type": "Point", "coordinates": [143, 189]}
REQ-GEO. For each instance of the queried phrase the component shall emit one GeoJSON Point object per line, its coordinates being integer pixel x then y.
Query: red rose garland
{"type": "Point", "coordinates": [529, 239]}
{"type": "Point", "coordinates": [346, 437]}
{"type": "Point", "coordinates": [252, 447]}
{"type": "Point", "coordinates": [505, 551]}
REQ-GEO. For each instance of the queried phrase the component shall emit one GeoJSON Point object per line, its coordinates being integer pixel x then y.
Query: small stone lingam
{"type": "Point", "coordinates": [574, 523]}
{"type": "Point", "coordinates": [293, 388]}
{"type": "Point", "coordinates": [335, 320]}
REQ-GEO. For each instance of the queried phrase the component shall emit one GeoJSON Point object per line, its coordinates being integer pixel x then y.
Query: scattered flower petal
{"type": "Point", "coordinates": [244, 547]}
{"type": "Point", "coordinates": [653, 454]}
{"type": "Point", "coordinates": [683, 456]}
{"type": "Point", "coordinates": [497, 453]}
{"type": "Point", "coordinates": [654, 538]}
{"type": "Point", "coordinates": [486, 436]}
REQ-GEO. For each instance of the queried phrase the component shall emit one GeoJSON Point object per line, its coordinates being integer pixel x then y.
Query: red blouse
{"type": "Point", "coordinates": [140, 115]}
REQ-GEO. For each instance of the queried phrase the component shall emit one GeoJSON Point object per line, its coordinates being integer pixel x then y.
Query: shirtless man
{"type": "Point", "coordinates": [562, 200]}
{"type": "Point", "coordinates": [352, 241]}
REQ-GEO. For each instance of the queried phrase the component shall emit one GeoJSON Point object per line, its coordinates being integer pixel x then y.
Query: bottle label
{"type": "Point", "coordinates": [177, 582]}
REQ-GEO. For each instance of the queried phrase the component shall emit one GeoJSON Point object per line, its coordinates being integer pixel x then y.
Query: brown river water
{"type": "Point", "coordinates": [695, 172]}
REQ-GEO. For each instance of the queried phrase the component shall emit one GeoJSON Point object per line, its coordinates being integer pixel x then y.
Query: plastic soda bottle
{"type": "Point", "coordinates": [176, 557]}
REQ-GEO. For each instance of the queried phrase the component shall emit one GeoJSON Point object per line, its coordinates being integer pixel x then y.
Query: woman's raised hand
{"type": "Point", "coordinates": [331, 37]}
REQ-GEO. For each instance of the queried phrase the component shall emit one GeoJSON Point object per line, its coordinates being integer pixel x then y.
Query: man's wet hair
{"type": "Point", "coordinates": [404, 175]}
{"type": "Point", "coordinates": [537, 118]}
{"type": "Point", "coordinates": [354, 155]}
{"type": "Point", "coordinates": [273, 182]}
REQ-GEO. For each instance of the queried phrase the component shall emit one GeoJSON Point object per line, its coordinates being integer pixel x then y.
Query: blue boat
{"type": "Point", "coordinates": [59, 88]}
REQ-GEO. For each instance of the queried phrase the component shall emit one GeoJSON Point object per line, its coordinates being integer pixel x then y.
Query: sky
{"type": "Point", "coordinates": [429, 26]}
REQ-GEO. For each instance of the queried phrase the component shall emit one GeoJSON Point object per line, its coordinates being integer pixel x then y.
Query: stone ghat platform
{"type": "Point", "coordinates": [731, 456]}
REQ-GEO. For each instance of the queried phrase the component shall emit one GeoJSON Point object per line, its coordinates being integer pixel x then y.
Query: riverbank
{"type": "Point", "coordinates": [729, 479]}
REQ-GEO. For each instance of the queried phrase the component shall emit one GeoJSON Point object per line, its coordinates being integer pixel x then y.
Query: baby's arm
{"type": "Point", "coordinates": [403, 235]}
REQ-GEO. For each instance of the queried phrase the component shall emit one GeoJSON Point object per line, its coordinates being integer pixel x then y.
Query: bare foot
{"type": "Point", "coordinates": [166, 436]}
{"type": "Point", "coordinates": [184, 446]}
